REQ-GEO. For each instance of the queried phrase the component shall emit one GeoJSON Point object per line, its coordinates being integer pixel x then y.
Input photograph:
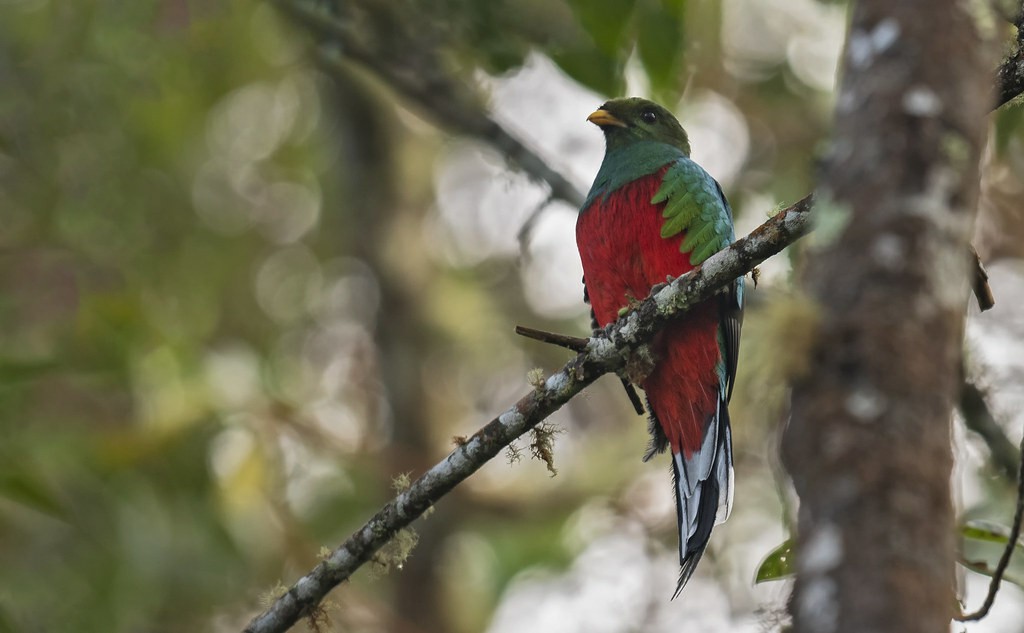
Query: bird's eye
{"type": "Point", "coordinates": [648, 116]}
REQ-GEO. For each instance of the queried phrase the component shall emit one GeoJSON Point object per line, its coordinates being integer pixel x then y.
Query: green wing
{"type": "Point", "coordinates": [694, 203]}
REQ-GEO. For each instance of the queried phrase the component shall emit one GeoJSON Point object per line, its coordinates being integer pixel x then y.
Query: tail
{"type": "Point", "coordinates": [704, 489]}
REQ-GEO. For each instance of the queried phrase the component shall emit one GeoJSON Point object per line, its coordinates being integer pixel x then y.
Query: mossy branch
{"type": "Point", "coordinates": [605, 353]}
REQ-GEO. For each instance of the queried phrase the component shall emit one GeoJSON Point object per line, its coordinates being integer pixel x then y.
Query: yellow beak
{"type": "Point", "coordinates": [601, 118]}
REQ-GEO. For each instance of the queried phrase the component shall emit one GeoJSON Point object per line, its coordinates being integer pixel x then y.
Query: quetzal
{"type": "Point", "coordinates": [650, 214]}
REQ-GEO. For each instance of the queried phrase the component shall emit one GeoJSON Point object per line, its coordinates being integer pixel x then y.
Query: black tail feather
{"type": "Point", "coordinates": [691, 549]}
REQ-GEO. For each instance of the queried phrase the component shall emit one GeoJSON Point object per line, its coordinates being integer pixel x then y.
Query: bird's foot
{"type": "Point", "coordinates": [633, 304]}
{"type": "Point", "coordinates": [656, 288]}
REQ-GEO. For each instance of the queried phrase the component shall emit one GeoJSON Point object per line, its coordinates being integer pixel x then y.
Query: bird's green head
{"type": "Point", "coordinates": [629, 120]}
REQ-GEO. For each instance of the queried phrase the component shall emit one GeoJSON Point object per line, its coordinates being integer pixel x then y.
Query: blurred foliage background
{"type": "Point", "coordinates": [257, 259]}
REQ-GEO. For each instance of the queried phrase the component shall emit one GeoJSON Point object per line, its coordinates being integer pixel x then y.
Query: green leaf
{"type": "Point", "coordinates": [6, 622]}
{"type": "Point", "coordinates": [31, 492]}
{"type": "Point", "coordinates": [987, 532]}
{"type": "Point", "coordinates": [778, 564]}
{"type": "Point", "coordinates": [660, 43]}
{"type": "Point", "coordinates": [17, 371]}
{"type": "Point", "coordinates": [591, 68]}
{"type": "Point", "coordinates": [604, 21]}
{"type": "Point", "coordinates": [982, 557]}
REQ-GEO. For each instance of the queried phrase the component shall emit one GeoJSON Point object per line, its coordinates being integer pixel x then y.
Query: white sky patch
{"type": "Point", "coordinates": [312, 477]}
{"type": "Point", "coordinates": [1007, 611]}
{"type": "Point", "coordinates": [229, 450]}
{"type": "Point", "coordinates": [338, 422]}
{"type": "Point", "coordinates": [552, 271]}
{"type": "Point", "coordinates": [540, 105]}
{"type": "Point", "coordinates": [813, 50]}
{"type": "Point", "coordinates": [232, 190]}
{"type": "Point", "coordinates": [282, 282]}
{"type": "Point", "coordinates": [718, 135]}
{"type": "Point", "coordinates": [481, 204]}
{"type": "Point", "coordinates": [251, 122]}
{"type": "Point", "coordinates": [997, 345]}
{"type": "Point", "coordinates": [614, 584]}
{"type": "Point", "coordinates": [758, 35]}
{"type": "Point", "coordinates": [232, 375]}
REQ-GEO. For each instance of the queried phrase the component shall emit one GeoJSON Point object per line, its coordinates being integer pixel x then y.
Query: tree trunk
{"type": "Point", "coordinates": [868, 446]}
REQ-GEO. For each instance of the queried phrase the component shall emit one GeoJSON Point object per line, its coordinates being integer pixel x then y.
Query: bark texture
{"type": "Point", "coordinates": [868, 446]}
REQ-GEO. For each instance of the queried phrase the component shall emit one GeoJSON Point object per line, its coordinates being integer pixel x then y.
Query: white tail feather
{"type": "Point", "coordinates": [706, 472]}
{"type": "Point", "coordinates": [726, 478]}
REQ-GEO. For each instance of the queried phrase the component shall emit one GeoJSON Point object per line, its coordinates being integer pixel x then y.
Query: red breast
{"type": "Point", "coordinates": [623, 255]}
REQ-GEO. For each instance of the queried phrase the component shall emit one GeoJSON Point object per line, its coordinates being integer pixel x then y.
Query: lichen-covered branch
{"type": "Point", "coordinates": [604, 354]}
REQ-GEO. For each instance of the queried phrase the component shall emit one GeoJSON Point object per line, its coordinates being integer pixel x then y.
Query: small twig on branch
{"type": "Point", "coordinates": [577, 344]}
{"type": "Point", "coordinates": [634, 397]}
{"type": "Point", "coordinates": [605, 353]}
{"type": "Point", "coordinates": [1004, 560]}
{"type": "Point", "coordinates": [982, 291]}
{"type": "Point", "coordinates": [573, 343]}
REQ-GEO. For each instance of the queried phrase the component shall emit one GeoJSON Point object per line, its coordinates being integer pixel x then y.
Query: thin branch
{"type": "Point", "coordinates": [634, 397]}
{"type": "Point", "coordinates": [978, 418]}
{"type": "Point", "coordinates": [574, 343]}
{"type": "Point", "coordinates": [979, 284]}
{"type": "Point", "coordinates": [422, 79]}
{"type": "Point", "coordinates": [1004, 560]}
{"type": "Point", "coordinates": [578, 344]}
{"type": "Point", "coordinates": [605, 353]}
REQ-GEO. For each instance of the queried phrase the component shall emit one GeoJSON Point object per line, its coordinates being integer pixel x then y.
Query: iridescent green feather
{"type": "Point", "coordinates": [694, 203]}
